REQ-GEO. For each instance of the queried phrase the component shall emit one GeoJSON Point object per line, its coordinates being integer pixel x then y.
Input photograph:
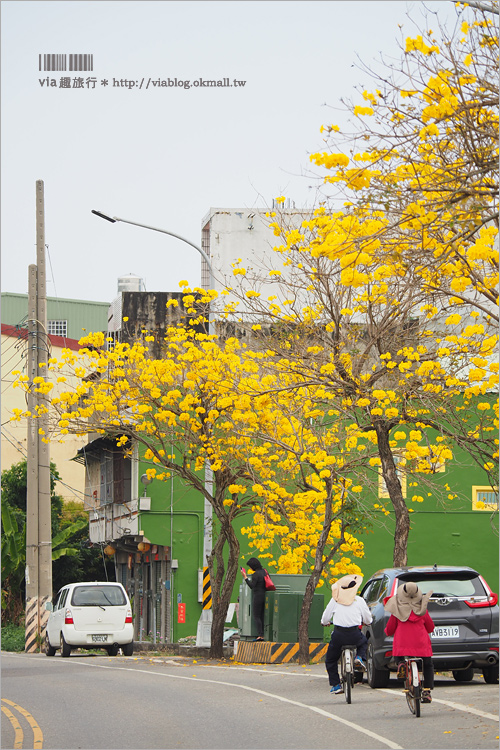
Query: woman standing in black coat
{"type": "Point", "coordinates": [256, 583]}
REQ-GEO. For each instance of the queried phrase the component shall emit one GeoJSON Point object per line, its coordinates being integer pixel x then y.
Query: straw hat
{"type": "Point", "coordinates": [344, 590]}
{"type": "Point", "coordinates": [407, 599]}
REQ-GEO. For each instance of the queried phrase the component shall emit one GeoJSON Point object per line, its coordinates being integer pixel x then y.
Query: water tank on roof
{"type": "Point", "coordinates": [131, 283]}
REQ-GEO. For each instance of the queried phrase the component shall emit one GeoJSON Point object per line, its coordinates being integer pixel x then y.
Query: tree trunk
{"type": "Point", "coordinates": [222, 582]}
{"type": "Point", "coordinates": [304, 619]}
{"type": "Point", "coordinates": [319, 564]}
{"type": "Point", "coordinates": [402, 516]}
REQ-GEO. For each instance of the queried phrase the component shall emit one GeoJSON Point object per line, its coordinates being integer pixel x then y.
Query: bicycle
{"type": "Point", "coordinates": [413, 686]}
{"type": "Point", "coordinates": [347, 657]}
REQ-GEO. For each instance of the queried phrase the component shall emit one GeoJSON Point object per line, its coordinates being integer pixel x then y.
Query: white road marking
{"type": "Point", "coordinates": [451, 704]}
{"type": "Point", "coordinates": [317, 710]}
{"type": "Point", "coordinates": [265, 671]}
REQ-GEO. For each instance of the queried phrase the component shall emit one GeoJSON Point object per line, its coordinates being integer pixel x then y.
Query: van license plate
{"type": "Point", "coordinates": [99, 638]}
{"type": "Point", "coordinates": [449, 631]}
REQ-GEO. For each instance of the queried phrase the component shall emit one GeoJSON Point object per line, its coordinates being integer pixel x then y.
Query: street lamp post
{"type": "Point", "coordinates": [114, 219]}
{"type": "Point", "coordinates": [203, 635]}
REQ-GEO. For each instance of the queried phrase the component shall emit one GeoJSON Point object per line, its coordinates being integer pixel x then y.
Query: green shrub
{"type": "Point", "coordinates": [13, 637]}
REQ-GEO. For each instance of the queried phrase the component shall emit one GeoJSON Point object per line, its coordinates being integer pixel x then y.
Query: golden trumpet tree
{"type": "Point", "coordinates": [421, 166]}
{"type": "Point", "coordinates": [184, 411]}
{"type": "Point", "coordinates": [311, 507]}
{"type": "Point", "coordinates": [206, 401]}
{"type": "Point", "coordinates": [388, 292]}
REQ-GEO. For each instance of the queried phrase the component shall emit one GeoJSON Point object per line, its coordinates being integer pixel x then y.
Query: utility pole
{"type": "Point", "coordinates": [32, 618]}
{"type": "Point", "coordinates": [38, 507]}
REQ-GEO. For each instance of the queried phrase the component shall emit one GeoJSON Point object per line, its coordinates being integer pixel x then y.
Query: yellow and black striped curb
{"type": "Point", "coordinates": [207, 590]}
{"type": "Point", "coordinates": [267, 652]}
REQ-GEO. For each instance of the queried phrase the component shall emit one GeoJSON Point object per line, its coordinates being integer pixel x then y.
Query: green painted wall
{"type": "Point", "coordinates": [443, 531]}
{"type": "Point", "coordinates": [178, 509]}
{"type": "Point", "coordinates": [186, 542]}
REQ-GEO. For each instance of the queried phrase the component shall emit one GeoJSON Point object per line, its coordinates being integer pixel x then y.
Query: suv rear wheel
{"type": "Point", "coordinates": [490, 674]}
{"type": "Point", "coordinates": [376, 678]}
{"type": "Point", "coordinates": [128, 649]}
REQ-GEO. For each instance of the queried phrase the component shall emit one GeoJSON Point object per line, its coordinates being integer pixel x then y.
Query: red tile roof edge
{"type": "Point", "coordinates": [22, 333]}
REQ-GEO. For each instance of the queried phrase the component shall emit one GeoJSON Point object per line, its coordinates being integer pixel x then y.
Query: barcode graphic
{"type": "Point", "coordinates": [60, 62]}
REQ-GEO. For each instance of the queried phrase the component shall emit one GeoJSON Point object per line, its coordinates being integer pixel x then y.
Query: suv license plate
{"type": "Point", "coordinates": [449, 631]}
{"type": "Point", "coordinates": [99, 638]}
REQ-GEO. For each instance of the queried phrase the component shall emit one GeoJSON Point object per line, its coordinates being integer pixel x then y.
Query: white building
{"type": "Point", "coordinates": [242, 238]}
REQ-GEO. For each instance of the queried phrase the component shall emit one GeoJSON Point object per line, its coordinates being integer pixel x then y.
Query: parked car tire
{"type": "Point", "coordinates": [128, 649]}
{"type": "Point", "coordinates": [376, 678]}
{"type": "Point", "coordinates": [490, 674]}
{"type": "Point", "coordinates": [49, 650]}
{"type": "Point", "coordinates": [464, 675]}
{"type": "Point", "coordinates": [65, 648]}
{"type": "Point", "coordinates": [112, 650]}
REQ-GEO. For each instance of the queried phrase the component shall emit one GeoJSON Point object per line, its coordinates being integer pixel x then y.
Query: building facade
{"type": "Point", "coordinates": [67, 321]}
{"type": "Point", "coordinates": [66, 318]}
{"type": "Point", "coordinates": [15, 434]}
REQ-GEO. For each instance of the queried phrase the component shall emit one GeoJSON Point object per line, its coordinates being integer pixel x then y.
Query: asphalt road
{"type": "Point", "coordinates": [92, 702]}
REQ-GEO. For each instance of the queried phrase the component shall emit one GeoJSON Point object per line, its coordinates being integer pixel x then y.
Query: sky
{"type": "Point", "coordinates": [164, 155]}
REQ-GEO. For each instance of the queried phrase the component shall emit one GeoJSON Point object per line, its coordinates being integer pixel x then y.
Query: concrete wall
{"type": "Point", "coordinates": [230, 235]}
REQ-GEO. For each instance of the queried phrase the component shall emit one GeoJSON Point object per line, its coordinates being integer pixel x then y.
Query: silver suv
{"type": "Point", "coordinates": [465, 615]}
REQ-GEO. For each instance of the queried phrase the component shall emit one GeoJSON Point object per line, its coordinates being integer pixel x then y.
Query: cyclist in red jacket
{"type": "Point", "coordinates": [410, 624]}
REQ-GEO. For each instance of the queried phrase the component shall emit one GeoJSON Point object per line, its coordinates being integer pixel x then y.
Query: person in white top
{"type": "Point", "coordinates": [347, 612]}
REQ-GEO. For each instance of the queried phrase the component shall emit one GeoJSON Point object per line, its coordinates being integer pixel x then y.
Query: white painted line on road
{"type": "Point", "coordinates": [451, 704]}
{"type": "Point", "coordinates": [352, 725]}
{"type": "Point", "coordinates": [264, 671]}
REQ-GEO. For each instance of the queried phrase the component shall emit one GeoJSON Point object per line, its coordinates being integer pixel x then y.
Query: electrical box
{"type": "Point", "coordinates": [144, 503]}
{"type": "Point", "coordinates": [268, 616]}
{"type": "Point", "coordinates": [286, 613]}
{"type": "Point", "coordinates": [245, 620]}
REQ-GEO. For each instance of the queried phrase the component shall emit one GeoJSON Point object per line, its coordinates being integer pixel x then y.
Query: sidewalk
{"type": "Point", "coordinates": [244, 652]}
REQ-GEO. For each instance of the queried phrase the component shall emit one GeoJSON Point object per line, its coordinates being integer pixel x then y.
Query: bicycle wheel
{"type": "Point", "coordinates": [413, 700]}
{"type": "Point", "coordinates": [348, 687]}
{"type": "Point", "coordinates": [347, 667]}
{"type": "Point", "coordinates": [413, 688]}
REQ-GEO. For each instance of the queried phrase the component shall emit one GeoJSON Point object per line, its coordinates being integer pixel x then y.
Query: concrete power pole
{"type": "Point", "coordinates": [38, 506]}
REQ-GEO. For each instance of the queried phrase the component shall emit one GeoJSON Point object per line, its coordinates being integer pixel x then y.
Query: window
{"type": "Point", "coordinates": [372, 595]}
{"type": "Point", "coordinates": [57, 327]}
{"type": "Point", "coordinates": [436, 465]}
{"type": "Point", "coordinates": [484, 498]}
{"type": "Point", "coordinates": [60, 599]}
{"type": "Point", "coordinates": [106, 478]}
{"type": "Point", "coordinates": [382, 489]}
{"type": "Point", "coordinates": [451, 585]}
{"type": "Point", "coordinates": [98, 596]}
{"type": "Point", "coordinates": [384, 589]}
{"type": "Point", "coordinates": [115, 473]}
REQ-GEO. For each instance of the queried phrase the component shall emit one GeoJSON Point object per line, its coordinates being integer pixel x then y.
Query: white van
{"type": "Point", "coordinates": [90, 615]}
